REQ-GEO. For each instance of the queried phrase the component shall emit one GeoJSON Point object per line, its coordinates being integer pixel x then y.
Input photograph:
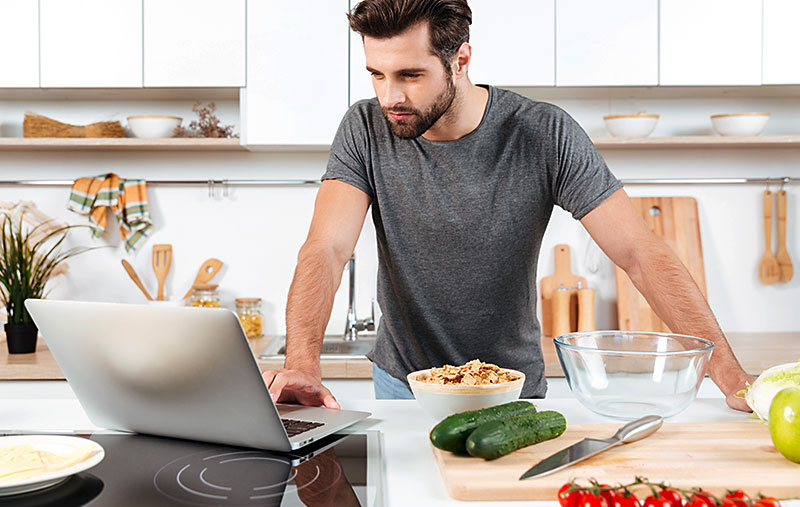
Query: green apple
{"type": "Point", "coordinates": [784, 422]}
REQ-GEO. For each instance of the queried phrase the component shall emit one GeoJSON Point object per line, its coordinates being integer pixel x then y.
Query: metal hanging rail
{"type": "Point", "coordinates": [211, 183]}
{"type": "Point", "coordinates": [784, 180]}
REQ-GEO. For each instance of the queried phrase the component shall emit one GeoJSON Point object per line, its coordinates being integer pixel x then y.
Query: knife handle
{"type": "Point", "coordinates": [639, 429]}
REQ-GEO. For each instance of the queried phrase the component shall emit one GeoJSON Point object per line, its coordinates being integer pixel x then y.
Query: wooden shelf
{"type": "Point", "coordinates": [120, 144]}
{"type": "Point", "coordinates": [203, 144]}
{"type": "Point", "coordinates": [683, 142]}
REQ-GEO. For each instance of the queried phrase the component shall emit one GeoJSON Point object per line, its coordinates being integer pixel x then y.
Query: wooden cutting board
{"type": "Point", "coordinates": [715, 456]}
{"type": "Point", "coordinates": [562, 276]}
{"type": "Point", "coordinates": [675, 220]}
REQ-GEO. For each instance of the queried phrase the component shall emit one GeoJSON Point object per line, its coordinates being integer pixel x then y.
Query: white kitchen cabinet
{"type": "Point", "coordinates": [19, 43]}
{"type": "Point", "coordinates": [297, 70]}
{"type": "Point", "coordinates": [781, 52]}
{"type": "Point", "coordinates": [608, 43]}
{"type": "Point", "coordinates": [710, 42]}
{"type": "Point", "coordinates": [194, 43]}
{"type": "Point", "coordinates": [513, 42]}
{"type": "Point", "coordinates": [360, 78]}
{"type": "Point", "coordinates": [91, 43]}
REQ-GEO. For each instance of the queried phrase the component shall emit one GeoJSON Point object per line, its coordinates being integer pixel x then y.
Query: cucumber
{"type": "Point", "coordinates": [451, 434]}
{"type": "Point", "coordinates": [498, 438]}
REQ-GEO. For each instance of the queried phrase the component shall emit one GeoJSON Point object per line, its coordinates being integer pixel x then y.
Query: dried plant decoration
{"type": "Point", "coordinates": [208, 124]}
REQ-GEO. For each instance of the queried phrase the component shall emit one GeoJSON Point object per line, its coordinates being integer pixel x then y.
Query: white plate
{"type": "Point", "coordinates": [57, 444]}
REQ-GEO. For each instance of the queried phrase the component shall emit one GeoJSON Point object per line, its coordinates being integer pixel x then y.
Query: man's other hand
{"type": "Point", "coordinates": [295, 386]}
{"type": "Point", "coordinates": [733, 398]}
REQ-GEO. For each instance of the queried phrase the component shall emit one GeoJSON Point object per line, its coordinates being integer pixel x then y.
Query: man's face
{"type": "Point", "coordinates": [410, 82]}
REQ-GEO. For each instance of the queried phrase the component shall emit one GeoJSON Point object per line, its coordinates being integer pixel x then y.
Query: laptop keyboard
{"type": "Point", "coordinates": [294, 427]}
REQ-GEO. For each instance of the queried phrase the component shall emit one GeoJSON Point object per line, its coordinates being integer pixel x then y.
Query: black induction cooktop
{"type": "Point", "coordinates": [139, 470]}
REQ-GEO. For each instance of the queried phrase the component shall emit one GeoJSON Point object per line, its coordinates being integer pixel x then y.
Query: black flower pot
{"type": "Point", "coordinates": [21, 338]}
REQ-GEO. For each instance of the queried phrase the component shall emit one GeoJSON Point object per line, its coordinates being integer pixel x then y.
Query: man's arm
{"type": "Point", "coordinates": [663, 280]}
{"type": "Point", "coordinates": [338, 217]}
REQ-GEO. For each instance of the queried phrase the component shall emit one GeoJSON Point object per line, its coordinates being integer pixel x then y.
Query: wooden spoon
{"type": "Point", "coordinates": [784, 262]}
{"type": "Point", "coordinates": [768, 269]}
{"type": "Point", "coordinates": [135, 278]}
{"type": "Point", "coordinates": [162, 260]}
{"type": "Point", "coordinates": [204, 275]}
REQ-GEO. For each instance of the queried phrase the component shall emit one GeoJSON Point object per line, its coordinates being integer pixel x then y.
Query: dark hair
{"type": "Point", "coordinates": [448, 22]}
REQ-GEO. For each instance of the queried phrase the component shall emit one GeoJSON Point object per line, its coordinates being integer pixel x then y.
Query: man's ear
{"type": "Point", "coordinates": [462, 60]}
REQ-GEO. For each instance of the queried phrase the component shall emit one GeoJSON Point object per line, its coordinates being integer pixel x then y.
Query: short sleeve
{"type": "Point", "coordinates": [583, 180]}
{"type": "Point", "coordinates": [349, 151]}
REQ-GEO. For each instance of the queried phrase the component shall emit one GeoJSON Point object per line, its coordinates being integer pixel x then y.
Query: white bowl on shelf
{"type": "Point", "coordinates": [640, 124]}
{"type": "Point", "coordinates": [153, 126]}
{"type": "Point", "coordinates": [739, 124]}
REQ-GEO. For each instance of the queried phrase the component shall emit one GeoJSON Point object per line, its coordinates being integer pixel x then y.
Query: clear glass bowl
{"type": "Point", "coordinates": [630, 374]}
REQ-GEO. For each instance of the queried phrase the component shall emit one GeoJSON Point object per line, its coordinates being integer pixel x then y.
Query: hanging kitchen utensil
{"type": "Point", "coordinates": [162, 260]}
{"type": "Point", "coordinates": [204, 275]}
{"type": "Point", "coordinates": [588, 447]}
{"type": "Point", "coordinates": [784, 261]}
{"type": "Point", "coordinates": [768, 269]}
{"type": "Point", "coordinates": [547, 286]}
{"type": "Point", "coordinates": [675, 220]}
{"type": "Point", "coordinates": [135, 278]}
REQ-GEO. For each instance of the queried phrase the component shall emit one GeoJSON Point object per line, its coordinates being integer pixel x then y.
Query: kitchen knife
{"type": "Point", "coordinates": [588, 447]}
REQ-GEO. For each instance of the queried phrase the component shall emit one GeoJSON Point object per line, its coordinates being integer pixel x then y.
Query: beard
{"type": "Point", "coordinates": [421, 121]}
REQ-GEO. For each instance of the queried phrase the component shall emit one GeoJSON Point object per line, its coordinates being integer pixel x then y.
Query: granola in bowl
{"type": "Point", "coordinates": [475, 372]}
{"type": "Point", "coordinates": [448, 389]}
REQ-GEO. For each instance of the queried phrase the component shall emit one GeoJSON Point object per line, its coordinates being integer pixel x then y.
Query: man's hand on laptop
{"type": "Point", "coordinates": [296, 386]}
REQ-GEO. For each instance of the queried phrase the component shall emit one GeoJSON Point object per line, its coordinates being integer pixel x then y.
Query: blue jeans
{"type": "Point", "coordinates": [388, 387]}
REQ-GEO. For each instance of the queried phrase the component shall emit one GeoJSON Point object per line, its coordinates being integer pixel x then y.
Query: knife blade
{"type": "Point", "coordinates": [588, 447]}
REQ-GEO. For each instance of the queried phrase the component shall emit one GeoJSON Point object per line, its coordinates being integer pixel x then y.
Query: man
{"type": "Point", "coordinates": [462, 180]}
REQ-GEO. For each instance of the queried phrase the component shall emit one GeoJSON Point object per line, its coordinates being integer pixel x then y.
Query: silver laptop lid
{"type": "Point", "coordinates": [172, 371]}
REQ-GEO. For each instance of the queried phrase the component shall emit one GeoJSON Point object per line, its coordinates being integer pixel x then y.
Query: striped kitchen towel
{"type": "Point", "coordinates": [126, 198]}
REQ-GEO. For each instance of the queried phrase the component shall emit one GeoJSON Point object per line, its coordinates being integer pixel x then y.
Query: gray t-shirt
{"type": "Point", "coordinates": [459, 226]}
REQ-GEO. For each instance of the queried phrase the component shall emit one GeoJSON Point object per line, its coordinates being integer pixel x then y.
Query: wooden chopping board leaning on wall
{"type": "Point", "coordinates": [675, 220]}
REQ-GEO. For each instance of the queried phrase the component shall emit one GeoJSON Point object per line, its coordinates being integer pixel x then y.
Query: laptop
{"type": "Point", "coordinates": [176, 372]}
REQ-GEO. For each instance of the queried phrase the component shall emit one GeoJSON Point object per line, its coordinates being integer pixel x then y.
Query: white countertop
{"type": "Point", "coordinates": [412, 476]}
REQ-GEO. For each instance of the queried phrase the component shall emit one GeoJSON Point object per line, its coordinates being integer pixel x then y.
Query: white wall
{"type": "Point", "coordinates": [258, 231]}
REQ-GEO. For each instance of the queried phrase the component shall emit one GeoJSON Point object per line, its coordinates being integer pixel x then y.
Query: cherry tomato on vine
{"type": "Point", "coordinates": [609, 495]}
{"type": "Point", "coordinates": [738, 497]}
{"type": "Point", "coordinates": [592, 500]}
{"type": "Point", "coordinates": [702, 496]}
{"type": "Point", "coordinates": [569, 499]}
{"type": "Point", "coordinates": [621, 500]}
{"type": "Point", "coordinates": [766, 501]}
{"type": "Point", "coordinates": [655, 501]}
{"type": "Point", "coordinates": [671, 496]}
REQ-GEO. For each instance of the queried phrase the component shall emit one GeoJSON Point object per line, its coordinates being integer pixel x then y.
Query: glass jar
{"type": "Point", "coordinates": [205, 296]}
{"type": "Point", "coordinates": [249, 312]}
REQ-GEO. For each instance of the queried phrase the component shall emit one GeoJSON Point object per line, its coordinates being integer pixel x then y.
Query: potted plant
{"type": "Point", "coordinates": [26, 264]}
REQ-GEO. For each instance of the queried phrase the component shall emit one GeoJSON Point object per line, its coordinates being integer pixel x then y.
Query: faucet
{"type": "Point", "coordinates": [354, 325]}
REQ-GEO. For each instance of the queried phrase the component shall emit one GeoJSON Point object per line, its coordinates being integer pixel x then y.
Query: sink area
{"type": "Point", "coordinates": [333, 347]}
